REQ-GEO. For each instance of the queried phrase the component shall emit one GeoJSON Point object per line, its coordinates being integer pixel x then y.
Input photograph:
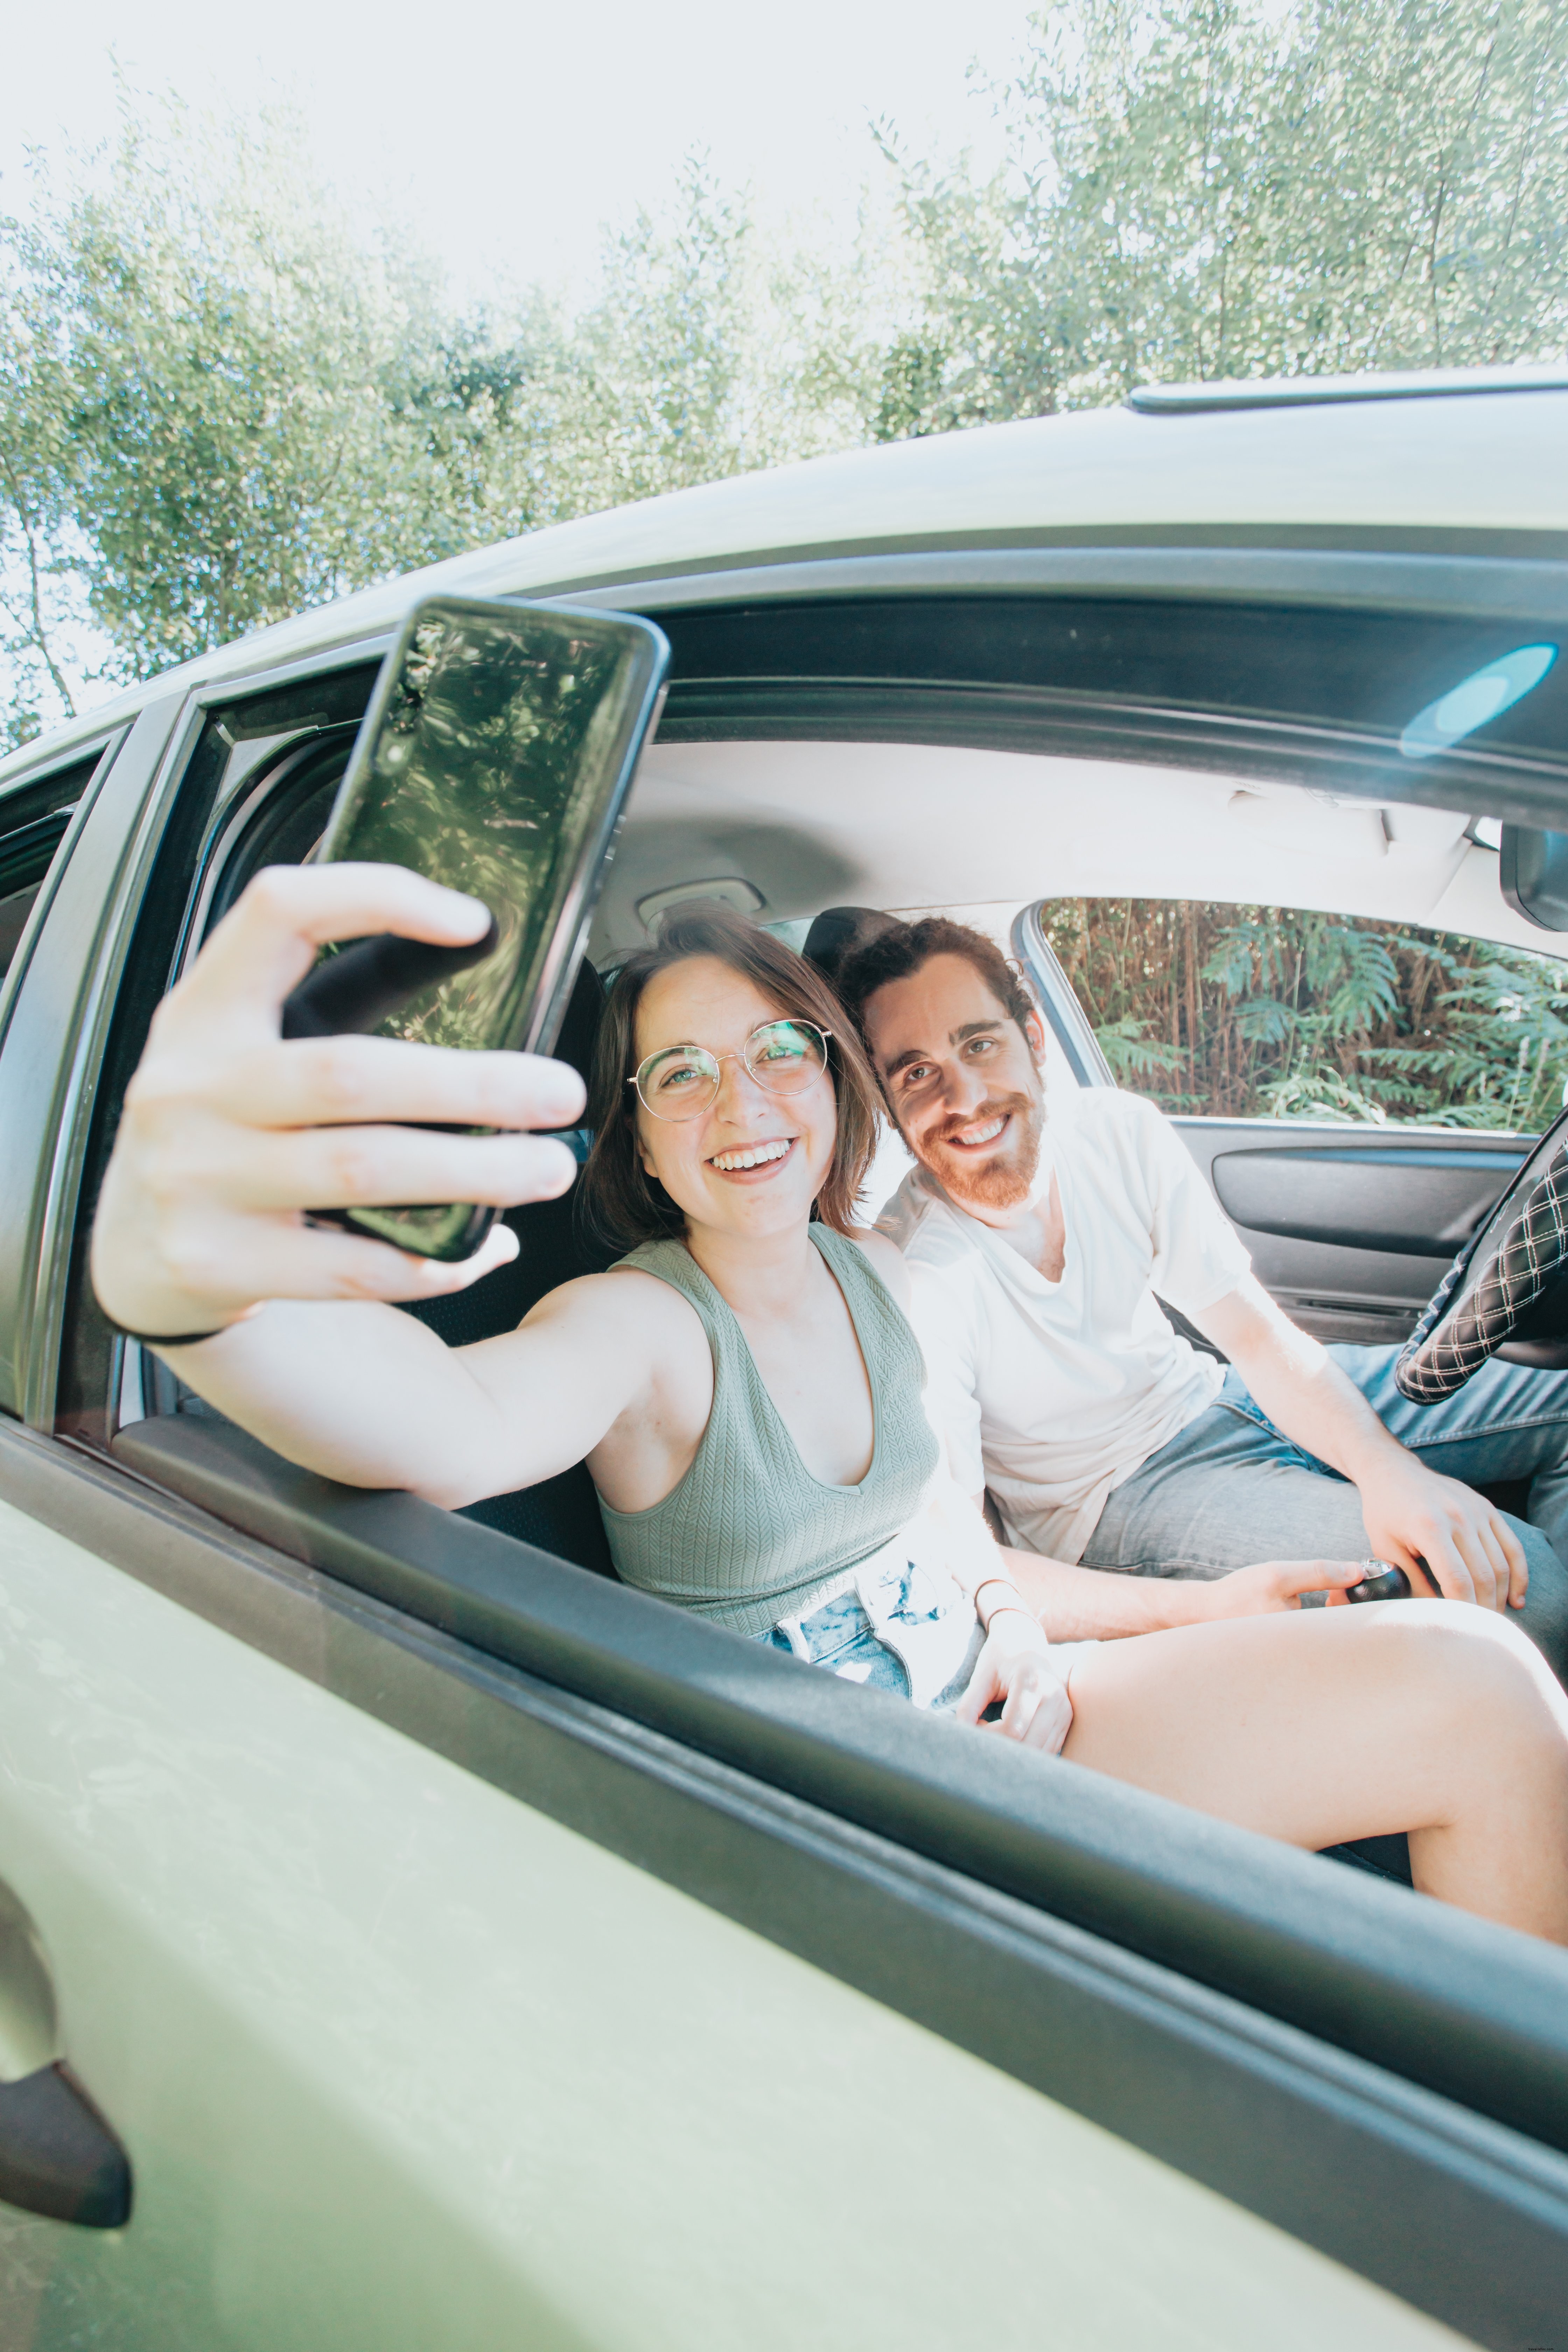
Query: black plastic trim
{"type": "Point", "coordinates": [1468, 587]}
{"type": "Point", "coordinates": [58, 2156]}
{"type": "Point", "coordinates": [1265, 1191]}
{"type": "Point", "coordinates": [1034, 720]}
{"type": "Point", "coordinates": [1468, 2220]}
{"type": "Point", "coordinates": [1321, 392]}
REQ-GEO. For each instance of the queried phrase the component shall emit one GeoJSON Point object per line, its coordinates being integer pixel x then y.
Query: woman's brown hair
{"type": "Point", "coordinates": [619, 1197]}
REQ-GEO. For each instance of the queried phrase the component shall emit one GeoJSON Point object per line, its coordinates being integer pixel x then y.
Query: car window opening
{"type": "Point", "coordinates": [562, 1515]}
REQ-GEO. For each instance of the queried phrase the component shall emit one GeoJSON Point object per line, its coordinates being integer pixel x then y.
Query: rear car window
{"type": "Point", "coordinates": [1223, 1010]}
{"type": "Point", "coordinates": [33, 821]}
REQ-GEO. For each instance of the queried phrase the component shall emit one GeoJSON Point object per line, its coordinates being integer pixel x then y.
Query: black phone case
{"type": "Point", "coordinates": [356, 989]}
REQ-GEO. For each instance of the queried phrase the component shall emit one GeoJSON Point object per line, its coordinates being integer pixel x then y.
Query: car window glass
{"type": "Point", "coordinates": [1251, 1011]}
{"type": "Point", "coordinates": [33, 821]}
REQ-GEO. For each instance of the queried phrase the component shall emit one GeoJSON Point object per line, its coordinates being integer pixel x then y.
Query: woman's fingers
{"type": "Point", "coordinates": [371, 1167]}
{"type": "Point", "coordinates": [985, 1686]}
{"type": "Point", "coordinates": [1036, 1711]}
{"type": "Point", "coordinates": [1333, 1579]}
{"type": "Point", "coordinates": [282, 1260]}
{"type": "Point", "coordinates": [1052, 1720]}
{"type": "Point", "coordinates": [332, 1081]}
{"type": "Point", "coordinates": [267, 942]}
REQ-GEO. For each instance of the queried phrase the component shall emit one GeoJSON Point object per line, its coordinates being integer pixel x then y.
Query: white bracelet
{"type": "Point", "coordinates": [1019, 1608]}
{"type": "Point", "coordinates": [1005, 1581]}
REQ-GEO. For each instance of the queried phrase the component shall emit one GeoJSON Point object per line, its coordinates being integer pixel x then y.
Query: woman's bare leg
{"type": "Point", "coordinates": [1349, 1723]}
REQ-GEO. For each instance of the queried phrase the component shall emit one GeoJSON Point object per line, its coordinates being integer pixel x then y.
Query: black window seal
{"type": "Point", "coordinates": [81, 773]}
{"type": "Point", "coordinates": [208, 724]}
{"type": "Point", "coordinates": [1465, 587]}
{"type": "Point", "coordinates": [1468, 2220]}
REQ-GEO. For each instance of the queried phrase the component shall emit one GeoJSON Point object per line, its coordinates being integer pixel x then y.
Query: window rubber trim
{"type": "Point", "coordinates": [999, 717]}
{"type": "Point", "coordinates": [1458, 2216]}
{"type": "Point", "coordinates": [1057, 999]}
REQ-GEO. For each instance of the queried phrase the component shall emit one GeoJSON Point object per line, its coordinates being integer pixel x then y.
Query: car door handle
{"type": "Point", "coordinates": [58, 2156]}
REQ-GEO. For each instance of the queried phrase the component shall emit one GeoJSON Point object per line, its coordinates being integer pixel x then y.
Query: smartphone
{"type": "Point", "coordinates": [496, 756]}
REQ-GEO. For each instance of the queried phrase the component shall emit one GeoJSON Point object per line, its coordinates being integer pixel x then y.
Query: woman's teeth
{"type": "Point", "coordinates": [757, 1157]}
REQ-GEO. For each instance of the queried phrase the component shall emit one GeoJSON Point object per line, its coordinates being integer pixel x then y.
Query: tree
{"type": "Point", "coordinates": [37, 479]}
{"type": "Point", "coordinates": [1212, 189]}
{"type": "Point", "coordinates": [217, 408]}
{"type": "Point", "coordinates": [219, 404]}
{"type": "Point", "coordinates": [1278, 1012]}
{"type": "Point", "coordinates": [228, 395]}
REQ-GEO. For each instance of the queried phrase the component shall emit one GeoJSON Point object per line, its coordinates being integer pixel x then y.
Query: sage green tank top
{"type": "Point", "coordinates": [749, 1536]}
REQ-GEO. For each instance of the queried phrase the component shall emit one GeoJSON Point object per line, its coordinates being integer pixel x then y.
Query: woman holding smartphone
{"type": "Point", "coordinates": [743, 1385]}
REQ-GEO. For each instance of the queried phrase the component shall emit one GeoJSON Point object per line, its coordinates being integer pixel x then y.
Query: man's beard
{"type": "Point", "coordinates": [1002, 1179]}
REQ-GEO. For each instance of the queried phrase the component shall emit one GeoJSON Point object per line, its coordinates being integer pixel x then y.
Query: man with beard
{"type": "Point", "coordinates": [1040, 1249]}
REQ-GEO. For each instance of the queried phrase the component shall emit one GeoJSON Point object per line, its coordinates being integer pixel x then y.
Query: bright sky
{"type": "Point", "coordinates": [504, 135]}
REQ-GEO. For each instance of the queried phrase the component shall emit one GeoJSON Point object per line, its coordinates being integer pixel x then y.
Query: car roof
{"type": "Point", "coordinates": [1418, 465]}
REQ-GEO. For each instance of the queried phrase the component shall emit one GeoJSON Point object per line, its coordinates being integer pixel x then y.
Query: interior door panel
{"type": "Point", "coordinates": [1348, 1228]}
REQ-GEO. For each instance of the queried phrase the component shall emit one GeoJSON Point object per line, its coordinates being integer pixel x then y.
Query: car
{"type": "Point", "coordinates": [412, 1937]}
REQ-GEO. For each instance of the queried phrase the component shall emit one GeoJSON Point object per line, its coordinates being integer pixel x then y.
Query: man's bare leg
{"type": "Point", "coordinates": [1334, 1724]}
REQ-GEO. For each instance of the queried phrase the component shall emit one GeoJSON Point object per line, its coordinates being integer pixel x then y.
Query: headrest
{"type": "Point", "coordinates": [837, 933]}
{"type": "Point", "coordinates": [585, 1010]}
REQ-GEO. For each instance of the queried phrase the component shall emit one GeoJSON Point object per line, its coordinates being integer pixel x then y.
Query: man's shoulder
{"type": "Point", "coordinates": [1104, 1120]}
{"type": "Point", "coordinates": [926, 1228]}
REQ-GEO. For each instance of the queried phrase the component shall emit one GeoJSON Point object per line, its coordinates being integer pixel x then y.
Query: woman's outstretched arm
{"type": "Point", "coordinates": [228, 1134]}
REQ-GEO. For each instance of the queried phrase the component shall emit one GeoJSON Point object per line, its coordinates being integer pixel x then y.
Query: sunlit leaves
{"type": "Point", "coordinates": [1205, 188]}
{"type": "Point", "coordinates": [1278, 1013]}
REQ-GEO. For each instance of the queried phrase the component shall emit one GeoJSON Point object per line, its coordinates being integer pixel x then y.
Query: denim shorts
{"type": "Point", "coordinates": [898, 1627]}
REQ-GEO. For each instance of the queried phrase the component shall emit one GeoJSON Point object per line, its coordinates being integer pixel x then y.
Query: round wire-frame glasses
{"type": "Point", "coordinates": [680, 1081]}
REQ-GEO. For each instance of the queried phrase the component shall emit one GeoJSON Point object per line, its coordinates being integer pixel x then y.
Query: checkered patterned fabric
{"type": "Point", "coordinates": [1483, 1299]}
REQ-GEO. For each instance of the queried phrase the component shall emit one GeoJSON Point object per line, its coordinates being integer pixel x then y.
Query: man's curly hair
{"type": "Point", "coordinates": [906, 947]}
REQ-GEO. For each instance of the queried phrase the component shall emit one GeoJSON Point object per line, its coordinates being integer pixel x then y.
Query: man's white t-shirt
{"type": "Point", "coordinates": [1051, 1394]}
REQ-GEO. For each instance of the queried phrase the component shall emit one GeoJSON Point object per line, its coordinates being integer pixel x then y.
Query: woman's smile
{"type": "Point", "coordinates": [758, 1160]}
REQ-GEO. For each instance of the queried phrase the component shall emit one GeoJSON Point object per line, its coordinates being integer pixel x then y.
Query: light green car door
{"type": "Point", "coordinates": [400, 2064]}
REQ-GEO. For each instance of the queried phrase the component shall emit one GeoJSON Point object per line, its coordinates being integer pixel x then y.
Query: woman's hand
{"type": "Point", "coordinates": [1015, 1668]}
{"type": "Point", "coordinates": [228, 1134]}
{"type": "Point", "coordinates": [1273, 1584]}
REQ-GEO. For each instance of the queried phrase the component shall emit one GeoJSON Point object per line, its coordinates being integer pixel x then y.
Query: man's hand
{"type": "Point", "coordinates": [1413, 1514]}
{"type": "Point", "coordinates": [1015, 1666]}
{"type": "Point", "coordinates": [1272, 1585]}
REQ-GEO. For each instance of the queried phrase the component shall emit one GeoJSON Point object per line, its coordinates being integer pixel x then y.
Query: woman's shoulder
{"type": "Point", "coordinates": [886, 1261]}
{"type": "Point", "coordinates": [627, 1301]}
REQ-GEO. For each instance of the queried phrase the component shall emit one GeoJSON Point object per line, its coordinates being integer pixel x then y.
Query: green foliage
{"type": "Point", "coordinates": [1271, 1012]}
{"type": "Point", "coordinates": [219, 404]}
{"type": "Point", "coordinates": [1204, 188]}
{"type": "Point", "coordinates": [217, 409]}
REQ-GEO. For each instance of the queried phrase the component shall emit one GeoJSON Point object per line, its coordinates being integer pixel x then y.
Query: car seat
{"type": "Point", "coordinates": [560, 1514]}
{"type": "Point", "coordinates": [837, 931]}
